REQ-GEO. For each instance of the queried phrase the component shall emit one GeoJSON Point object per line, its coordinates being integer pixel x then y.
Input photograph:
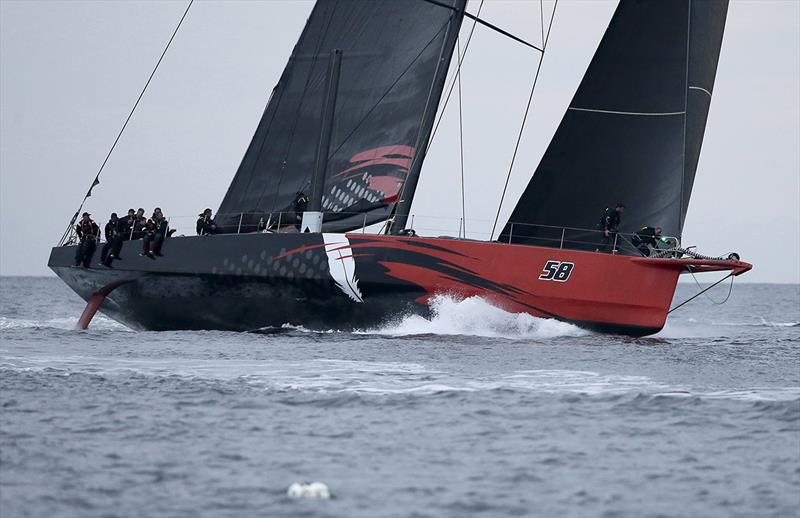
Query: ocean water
{"type": "Point", "coordinates": [475, 412]}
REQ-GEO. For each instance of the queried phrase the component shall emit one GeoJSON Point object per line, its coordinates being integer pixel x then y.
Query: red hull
{"type": "Point", "coordinates": [601, 290]}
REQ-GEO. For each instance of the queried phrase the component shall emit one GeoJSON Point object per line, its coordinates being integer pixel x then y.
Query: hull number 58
{"type": "Point", "coordinates": [556, 271]}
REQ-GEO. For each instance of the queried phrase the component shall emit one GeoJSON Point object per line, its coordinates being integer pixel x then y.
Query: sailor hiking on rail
{"type": "Point", "coordinates": [126, 225]}
{"type": "Point", "coordinates": [88, 234]}
{"type": "Point", "coordinates": [114, 234]}
{"type": "Point", "coordinates": [139, 224]}
{"type": "Point", "coordinates": [156, 230]}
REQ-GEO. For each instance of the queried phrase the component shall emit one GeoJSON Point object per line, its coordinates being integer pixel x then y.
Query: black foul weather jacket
{"type": "Point", "coordinates": [87, 230]}
{"type": "Point", "coordinates": [610, 220]}
{"type": "Point", "coordinates": [646, 235]}
{"type": "Point", "coordinates": [113, 230]}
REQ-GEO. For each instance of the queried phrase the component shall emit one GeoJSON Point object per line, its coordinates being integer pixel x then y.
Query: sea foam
{"type": "Point", "coordinates": [68, 323]}
{"type": "Point", "coordinates": [477, 317]}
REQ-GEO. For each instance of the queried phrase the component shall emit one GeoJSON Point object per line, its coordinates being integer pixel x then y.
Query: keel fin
{"type": "Point", "coordinates": [92, 305]}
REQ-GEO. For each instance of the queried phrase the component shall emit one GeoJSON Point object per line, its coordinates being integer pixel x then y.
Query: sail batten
{"type": "Point", "coordinates": [693, 87]}
{"type": "Point", "coordinates": [390, 70]}
{"type": "Point", "coordinates": [616, 112]}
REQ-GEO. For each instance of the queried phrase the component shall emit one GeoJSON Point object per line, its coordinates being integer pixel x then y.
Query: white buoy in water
{"type": "Point", "coordinates": [314, 490]}
{"type": "Point", "coordinates": [296, 490]}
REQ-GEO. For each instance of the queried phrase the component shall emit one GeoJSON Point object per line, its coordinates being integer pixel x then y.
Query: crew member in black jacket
{"type": "Point", "coordinates": [299, 206]}
{"type": "Point", "coordinates": [114, 236]}
{"type": "Point", "coordinates": [126, 225]}
{"type": "Point", "coordinates": [205, 224]}
{"type": "Point", "coordinates": [139, 225]}
{"type": "Point", "coordinates": [88, 233]}
{"type": "Point", "coordinates": [646, 239]}
{"type": "Point", "coordinates": [157, 229]}
{"type": "Point", "coordinates": [609, 225]}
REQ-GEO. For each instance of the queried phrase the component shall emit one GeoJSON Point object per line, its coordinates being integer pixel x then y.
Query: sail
{"type": "Point", "coordinates": [633, 131]}
{"type": "Point", "coordinates": [395, 57]}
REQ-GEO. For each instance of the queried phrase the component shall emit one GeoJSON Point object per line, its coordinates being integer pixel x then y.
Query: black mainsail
{"type": "Point", "coordinates": [633, 131]}
{"type": "Point", "coordinates": [395, 59]}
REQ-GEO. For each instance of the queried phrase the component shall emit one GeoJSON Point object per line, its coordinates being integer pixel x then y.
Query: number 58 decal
{"type": "Point", "coordinates": [556, 271]}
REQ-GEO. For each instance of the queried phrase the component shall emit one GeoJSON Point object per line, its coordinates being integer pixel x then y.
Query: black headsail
{"type": "Point", "coordinates": [395, 56]}
{"type": "Point", "coordinates": [633, 131]}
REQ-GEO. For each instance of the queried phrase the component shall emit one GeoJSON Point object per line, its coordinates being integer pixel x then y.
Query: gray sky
{"type": "Point", "coordinates": [70, 72]}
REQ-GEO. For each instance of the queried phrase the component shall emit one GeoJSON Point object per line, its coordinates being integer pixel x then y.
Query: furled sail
{"type": "Point", "coordinates": [395, 59]}
{"type": "Point", "coordinates": [633, 131]}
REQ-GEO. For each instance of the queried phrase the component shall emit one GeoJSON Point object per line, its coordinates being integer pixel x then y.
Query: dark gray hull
{"type": "Point", "coordinates": [233, 282]}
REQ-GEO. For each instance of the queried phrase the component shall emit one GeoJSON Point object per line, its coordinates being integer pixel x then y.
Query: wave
{"type": "Point", "coordinates": [756, 394]}
{"type": "Point", "coordinates": [472, 316]}
{"type": "Point", "coordinates": [66, 323]}
{"type": "Point", "coordinates": [323, 376]}
{"type": "Point", "coordinates": [584, 382]}
{"type": "Point", "coordinates": [476, 317]}
{"type": "Point", "coordinates": [762, 323]}
{"type": "Point", "coordinates": [289, 329]}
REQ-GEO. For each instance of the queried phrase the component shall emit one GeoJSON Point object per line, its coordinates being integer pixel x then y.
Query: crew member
{"type": "Point", "coordinates": [205, 224]}
{"type": "Point", "coordinates": [126, 225]}
{"type": "Point", "coordinates": [88, 234]}
{"type": "Point", "coordinates": [299, 206]}
{"type": "Point", "coordinates": [646, 239]}
{"type": "Point", "coordinates": [114, 237]}
{"type": "Point", "coordinates": [139, 225]}
{"type": "Point", "coordinates": [609, 225]}
{"type": "Point", "coordinates": [157, 229]}
{"type": "Point", "coordinates": [113, 240]}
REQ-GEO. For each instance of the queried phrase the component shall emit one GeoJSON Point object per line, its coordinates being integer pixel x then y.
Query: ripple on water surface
{"type": "Point", "coordinates": [472, 412]}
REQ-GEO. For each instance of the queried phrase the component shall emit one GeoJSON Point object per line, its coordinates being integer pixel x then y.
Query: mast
{"type": "Point", "coordinates": [403, 209]}
{"type": "Point", "coordinates": [312, 217]}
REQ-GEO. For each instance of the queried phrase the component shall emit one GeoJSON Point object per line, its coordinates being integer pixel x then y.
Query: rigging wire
{"type": "Point", "coordinates": [723, 301]}
{"type": "Point", "coordinates": [461, 145]}
{"type": "Point", "coordinates": [389, 89]}
{"type": "Point", "coordinates": [453, 82]}
{"type": "Point", "coordinates": [96, 180]}
{"type": "Point", "coordinates": [524, 120]}
{"type": "Point", "coordinates": [486, 24]}
{"type": "Point", "coordinates": [541, 15]}
{"type": "Point", "coordinates": [430, 137]}
{"type": "Point", "coordinates": [705, 290]}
